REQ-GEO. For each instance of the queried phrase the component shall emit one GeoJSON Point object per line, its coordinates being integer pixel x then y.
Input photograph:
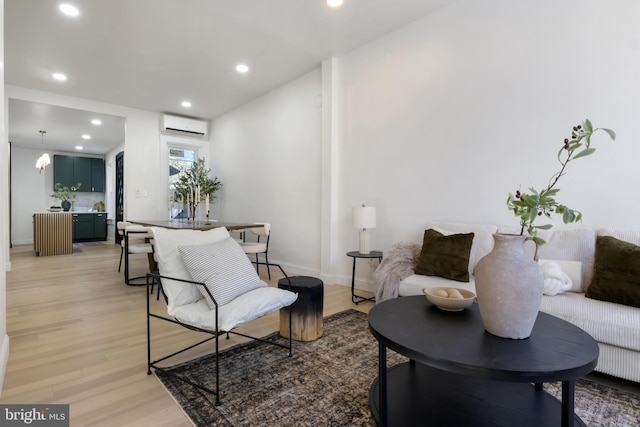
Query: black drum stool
{"type": "Point", "coordinates": [306, 312]}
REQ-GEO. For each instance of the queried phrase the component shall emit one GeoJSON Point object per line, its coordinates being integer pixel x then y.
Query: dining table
{"type": "Point", "coordinates": [178, 224]}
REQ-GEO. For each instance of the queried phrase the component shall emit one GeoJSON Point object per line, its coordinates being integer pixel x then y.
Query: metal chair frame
{"type": "Point", "coordinates": [121, 233]}
{"type": "Point", "coordinates": [151, 279]}
{"type": "Point", "coordinates": [129, 280]}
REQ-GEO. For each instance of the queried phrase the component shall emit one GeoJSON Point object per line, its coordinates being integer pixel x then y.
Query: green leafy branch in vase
{"type": "Point", "coordinates": [64, 193]}
{"type": "Point", "coordinates": [194, 185]}
{"type": "Point", "coordinates": [530, 206]}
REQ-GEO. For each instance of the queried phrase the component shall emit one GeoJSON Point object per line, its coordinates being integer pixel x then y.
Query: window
{"type": "Point", "coordinates": [180, 159]}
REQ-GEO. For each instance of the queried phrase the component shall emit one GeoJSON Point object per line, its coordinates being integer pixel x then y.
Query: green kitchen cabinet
{"type": "Point", "coordinates": [88, 171]}
{"type": "Point", "coordinates": [63, 170]}
{"type": "Point", "coordinates": [100, 226]}
{"type": "Point", "coordinates": [82, 173]}
{"type": "Point", "coordinates": [89, 226]}
{"type": "Point", "coordinates": [97, 175]}
{"type": "Point", "coordinates": [82, 227]}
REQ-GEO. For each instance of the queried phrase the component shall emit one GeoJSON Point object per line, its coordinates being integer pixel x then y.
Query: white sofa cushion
{"type": "Point", "coordinates": [167, 255]}
{"type": "Point", "coordinates": [223, 267]}
{"type": "Point", "coordinates": [606, 322]}
{"type": "Point", "coordinates": [565, 244]}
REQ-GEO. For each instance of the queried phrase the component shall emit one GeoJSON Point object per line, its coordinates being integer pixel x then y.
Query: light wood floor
{"type": "Point", "coordinates": [78, 337]}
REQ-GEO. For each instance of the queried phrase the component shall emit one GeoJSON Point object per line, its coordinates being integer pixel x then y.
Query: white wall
{"type": "Point", "coordinates": [5, 264]}
{"type": "Point", "coordinates": [446, 116]}
{"type": "Point", "coordinates": [268, 156]}
{"type": "Point", "coordinates": [441, 120]}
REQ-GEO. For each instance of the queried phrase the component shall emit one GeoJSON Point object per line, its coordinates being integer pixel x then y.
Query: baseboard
{"type": "Point", "coordinates": [23, 242]}
{"type": "Point", "coordinates": [360, 284]}
{"type": "Point", "coordinates": [4, 358]}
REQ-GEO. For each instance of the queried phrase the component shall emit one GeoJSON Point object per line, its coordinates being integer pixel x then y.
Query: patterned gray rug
{"type": "Point", "coordinates": [326, 383]}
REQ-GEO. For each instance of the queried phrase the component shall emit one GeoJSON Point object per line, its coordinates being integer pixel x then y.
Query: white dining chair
{"type": "Point", "coordinates": [136, 241]}
{"type": "Point", "coordinates": [262, 231]}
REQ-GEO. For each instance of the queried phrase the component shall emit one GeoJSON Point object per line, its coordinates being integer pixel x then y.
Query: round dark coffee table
{"type": "Point", "coordinates": [461, 375]}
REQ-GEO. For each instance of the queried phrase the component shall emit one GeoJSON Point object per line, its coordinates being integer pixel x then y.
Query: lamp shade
{"type": "Point", "coordinates": [364, 217]}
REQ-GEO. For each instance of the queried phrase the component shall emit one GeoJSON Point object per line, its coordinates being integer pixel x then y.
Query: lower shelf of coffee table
{"type": "Point", "coordinates": [419, 395]}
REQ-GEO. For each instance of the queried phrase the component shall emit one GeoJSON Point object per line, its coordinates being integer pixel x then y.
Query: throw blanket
{"type": "Point", "coordinates": [556, 281]}
{"type": "Point", "coordinates": [398, 264]}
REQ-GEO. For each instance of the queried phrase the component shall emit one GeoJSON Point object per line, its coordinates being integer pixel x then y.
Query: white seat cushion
{"type": "Point", "coordinates": [243, 309]}
{"type": "Point", "coordinates": [253, 247]}
{"type": "Point", "coordinates": [142, 248]}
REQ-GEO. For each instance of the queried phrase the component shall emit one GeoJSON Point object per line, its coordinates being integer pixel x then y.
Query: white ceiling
{"type": "Point", "coordinates": [64, 128]}
{"type": "Point", "coordinates": [153, 54]}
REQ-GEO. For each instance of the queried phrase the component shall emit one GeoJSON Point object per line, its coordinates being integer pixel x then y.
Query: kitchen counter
{"type": "Point", "coordinates": [55, 232]}
{"type": "Point", "coordinates": [52, 233]}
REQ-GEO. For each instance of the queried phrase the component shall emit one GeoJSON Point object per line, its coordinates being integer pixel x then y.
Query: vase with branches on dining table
{"type": "Point", "coordinates": [194, 186]}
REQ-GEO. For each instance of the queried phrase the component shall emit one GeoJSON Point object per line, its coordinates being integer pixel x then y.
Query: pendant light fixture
{"type": "Point", "coordinates": [44, 160]}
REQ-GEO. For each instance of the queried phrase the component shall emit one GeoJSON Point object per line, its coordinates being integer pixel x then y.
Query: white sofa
{"type": "Point", "coordinates": [615, 327]}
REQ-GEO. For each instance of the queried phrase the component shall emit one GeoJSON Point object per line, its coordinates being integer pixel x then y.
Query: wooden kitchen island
{"type": "Point", "coordinates": [52, 233]}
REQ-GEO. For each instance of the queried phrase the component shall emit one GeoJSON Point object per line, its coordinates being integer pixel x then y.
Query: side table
{"type": "Point", "coordinates": [306, 312]}
{"type": "Point", "coordinates": [357, 299]}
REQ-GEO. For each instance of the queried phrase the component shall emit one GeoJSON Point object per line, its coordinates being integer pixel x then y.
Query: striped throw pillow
{"type": "Point", "coordinates": [223, 267]}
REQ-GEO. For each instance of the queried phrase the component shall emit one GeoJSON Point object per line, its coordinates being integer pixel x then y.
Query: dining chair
{"type": "Point", "coordinates": [136, 241]}
{"type": "Point", "coordinates": [120, 226]}
{"type": "Point", "coordinates": [263, 230]}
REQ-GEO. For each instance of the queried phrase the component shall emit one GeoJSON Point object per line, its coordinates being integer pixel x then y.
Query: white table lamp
{"type": "Point", "coordinates": [364, 217]}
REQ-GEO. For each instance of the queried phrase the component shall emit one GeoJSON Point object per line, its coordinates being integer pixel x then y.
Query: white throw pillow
{"type": "Point", "coordinates": [165, 247]}
{"type": "Point", "coordinates": [223, 267]}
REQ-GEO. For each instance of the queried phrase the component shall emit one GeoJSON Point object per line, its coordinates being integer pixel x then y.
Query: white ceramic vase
{"type": "Point", "coordinates": [509, 286]}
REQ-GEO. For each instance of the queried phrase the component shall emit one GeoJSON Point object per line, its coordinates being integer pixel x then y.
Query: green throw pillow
{"type": "Point", "coordinates": [616, 276]}
{"type": "Point", "coordinates": [445, 256]}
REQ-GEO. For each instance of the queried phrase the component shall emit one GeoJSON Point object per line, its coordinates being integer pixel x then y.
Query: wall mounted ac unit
{"type": "Point", "coordinates": [184, 125]}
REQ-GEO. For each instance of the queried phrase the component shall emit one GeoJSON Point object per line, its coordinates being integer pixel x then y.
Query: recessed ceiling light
{"type": "Point", "coordinates": [79, 147]}
{"type": "Point", "coordinates": [242, 68]}
{"type": "Point", "coordinates": [186, 104]}
{"type": "Point", "coordinates": [59, 76]}
{"type": "Point", "coordinates": [85, 136]}
{"type": "Point", "coordinates": [334, 3]}
{"type": "Point", "coordinates": [68, 9]}
{"type": "Point", "coordinates": [96, 122]}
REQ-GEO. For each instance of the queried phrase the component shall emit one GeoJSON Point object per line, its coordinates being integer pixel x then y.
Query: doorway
{"type": "Point", "coordinates": [119, 192]}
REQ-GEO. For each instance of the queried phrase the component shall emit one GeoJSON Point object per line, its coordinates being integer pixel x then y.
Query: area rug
{"type": "Point", "coordinates": [326, 383]}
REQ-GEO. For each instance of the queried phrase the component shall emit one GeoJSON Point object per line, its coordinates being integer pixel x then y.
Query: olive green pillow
{"type": "Point", "coordinates": [616, 276]}
{"type": "Point", "coordinates": [445, 256]}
